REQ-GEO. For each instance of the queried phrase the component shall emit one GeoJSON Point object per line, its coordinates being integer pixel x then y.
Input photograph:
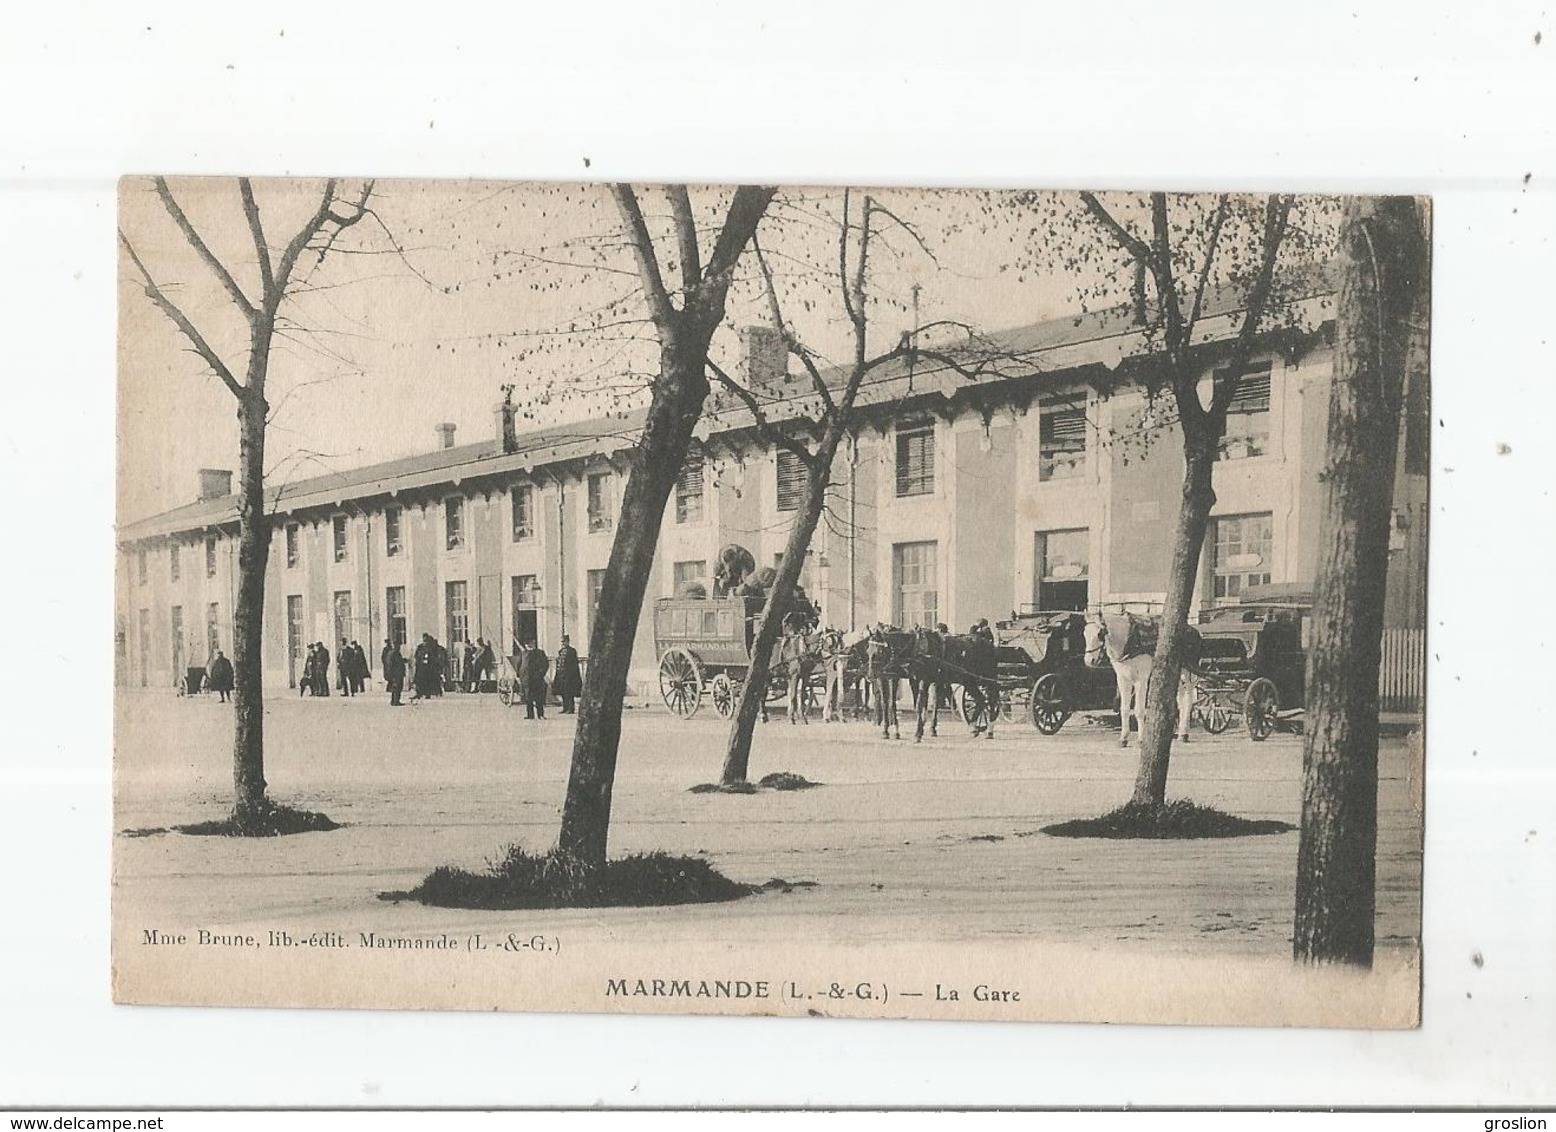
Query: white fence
{"type": "Point", "coordinates": [1402, 677]}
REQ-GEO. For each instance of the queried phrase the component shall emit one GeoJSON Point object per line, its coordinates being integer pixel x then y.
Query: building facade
{"type": "Point", "coordinates": [1055, 488]}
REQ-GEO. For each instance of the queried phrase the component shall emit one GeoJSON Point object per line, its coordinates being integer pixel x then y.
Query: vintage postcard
{"type": "Point", "coordinates": [936, 604]}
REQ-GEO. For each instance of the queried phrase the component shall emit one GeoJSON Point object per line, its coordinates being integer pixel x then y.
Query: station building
{"type": "Point", "coordinates": [1054, 485]}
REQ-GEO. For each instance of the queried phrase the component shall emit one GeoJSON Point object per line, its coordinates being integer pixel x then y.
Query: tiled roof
{"type": "Point", "coordinates": [1103, 337]}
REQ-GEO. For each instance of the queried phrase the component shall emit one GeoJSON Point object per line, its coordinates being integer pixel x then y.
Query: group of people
{"type": "Point", "coordinates": [351, 671]}
{"type": "Point", "coordinates": [531, 666]}
{"type": "Point", "coordinates": [428, 667]}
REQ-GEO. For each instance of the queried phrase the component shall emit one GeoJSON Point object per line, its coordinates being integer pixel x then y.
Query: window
{"type": "Point", "coordinates": [394, 613]}
{"type": "Point", "coordinates": [343, 629]}
{"type": "Point", "coordinates": [454, 522]}
{"type": "Point", "coordinates": [177, 636]}
{"type": "Point", "coordinates": [526, 591]}
{"type": "Point", "coordinates": [458, 599]}
{"type": "Point", "coordinates": [1062, 560]}
{"type": "Point", "coordinates": [688, 489]}
{"type": "Point", "coordinates": [292, 552]}
{"type": "Point", "coordinates": [688, 573]}
{"type": "Point", "coordinates": [294, 638]}
{"type": "Point", "coordinates": [1247, 417]}
{"type": "Point", "coordinates": [391, 531]}
{"type": "Point", "coordinates": [599, 502]}
{"type": "Point", "coordinates": [1061, 442]}
{"type": "Point", "coordinates": [523, 512]}
{"type": "Point", "coordinates": [172, 561]}
{"type": "Point", "coordinates": [791, 480]}
{"type": "Point", "coordinates": [916, 459]}
{"type": "Point", "coordinates": [140, 564]}
{"type": "Point", "coordinates": [1241, 554]}
{"type": "Point", "coordinates": [596, 584]}
{"type": "Point", "coordinates": [213, 621]}
{"type": "Point", "coordinates": [338, 529]}
{"type": "Point", "coordinates": [917, 598]}
{"type": "Point", "coordinates": [210, 556]}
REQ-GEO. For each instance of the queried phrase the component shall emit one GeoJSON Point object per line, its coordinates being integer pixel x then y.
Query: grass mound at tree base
{"type": "Point", "coordinates": [778, 780]}
{"type": "Point", "coordinates": [1180, 820]}
{"type": "Point", "coordinates": [555, 880]}
{"type": "Point", "coordinates": [269, 820]}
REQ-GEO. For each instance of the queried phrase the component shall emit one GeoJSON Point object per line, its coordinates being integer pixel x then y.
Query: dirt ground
{"type": "Point", "coordinates": [934, 841]}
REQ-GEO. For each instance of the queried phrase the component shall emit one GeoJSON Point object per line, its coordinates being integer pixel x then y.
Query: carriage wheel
{"type": "Point", "coordinates": [505, 691]}
{"type": "Point", "coordinates": [1049, 709]}
{"type": "Point", "coordinates": [1214, 716]}
{"type": "Point", "coordinates": [723, 691]}
{"type": "Point", "coordinates": [1259, 709]}
{"type": "Point", "coordinates": [680, 682]}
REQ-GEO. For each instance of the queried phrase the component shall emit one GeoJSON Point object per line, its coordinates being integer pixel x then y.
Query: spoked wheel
{"type": "Point", "coordinates": [1260, 709]}
{"type": "Point", "coordinates": [680, 682]}
{"type": "Point", "coordinates": [505, 691]}
{"type": "Point", "coordinates": [1049, 709]}
{"type": "Point", "coordinates": [723, 691]}
{"type": "Point", "coordinates": [1214, 716]}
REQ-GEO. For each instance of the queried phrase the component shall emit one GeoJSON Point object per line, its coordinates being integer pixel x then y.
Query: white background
{"type": "Point", "coordinates": [1453, 99]}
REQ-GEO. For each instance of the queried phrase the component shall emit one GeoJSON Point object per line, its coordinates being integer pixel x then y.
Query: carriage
{"type": "Point", "coordinates": [704, 650]}
{"type": "Point", "coordinates": [1252, 661]}
{"type": "Point", "coordinates": [1043, 670]}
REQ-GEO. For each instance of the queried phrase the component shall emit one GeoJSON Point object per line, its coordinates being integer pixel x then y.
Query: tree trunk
{"type": "Point", "coordinates": [248, 732]}
{"type": "Point", "coordinates": [677, 403]}
{"type": "Point", "coordinates": [737, 756]}
{"type": "Point", "coordinates": [1156, 728]}
{"type": "Point", "coordinates": [1382, 291]}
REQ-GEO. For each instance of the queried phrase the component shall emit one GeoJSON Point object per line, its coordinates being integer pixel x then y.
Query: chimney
{"type": "Point", "coordinates": [445, 435]}
{"type": "Point", "coordinates": [764, 356]}
{"type": "Point", "coordinates": [215, 483]}
{"type": "Point", "coordinates": [507, 429]}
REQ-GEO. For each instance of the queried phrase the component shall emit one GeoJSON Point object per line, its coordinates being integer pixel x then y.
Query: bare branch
{"type": "Point", "coordinates": [1216, 223]}
{"type": "Point", "coordinates": [769, 431]}
{"type": "Point", "coordinates": [302, 238]}
{"type": "Point", "coordinates": [745, 213]}
{"type": "Point", "coordinates": [686, 234]}
{"type": "Point", "coordinates": [257, 230]}
{"type": "Point", "coordinates": [178, 318]}
{"type": "Point", "coordinates": [1127, 240]}
{"type": "Point", "coordinates": [205, 252]}
{"type": "Point", "coordinates": [789, 338]}
{"type": "Point", "coordinates": [1277, 215]}
{"type": "Point", "coordinates": [659, 304]}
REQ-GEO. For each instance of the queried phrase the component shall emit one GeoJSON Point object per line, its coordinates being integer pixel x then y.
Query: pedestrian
{"type": "Point", "coordinates": [537, 664]}
{"type": "Point", "coordinates": [219, 678]}
{"type": "Point", "coordinates": [439, 671]}
{"type": "Point", "coordinates": [569, 676]}
{"type": "Point", "coordinates": [383, 658]}
{"type": "Point", "coordinates": [343, 668]}
{"type": "Point", "coordinates": [305, 679]}
{"type": "Point", "coordinates": [485, 664]}
{"type": "Point", "coordinates": [467, 669]}
{"type": "Point", "coordinates": [321, 669]}
{"type": "Point", "coordinates": [421, 681]}
{"type": "Point", "coordinates": [394, 672]}
{"type": "Point", "coordinates": [360, 672]}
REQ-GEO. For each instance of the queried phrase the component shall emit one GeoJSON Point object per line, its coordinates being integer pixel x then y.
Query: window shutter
{"type": "Point", "coordinates": [1253, 394]}
{"type": "Point", "coordinates": [916, 460]}
{"type": "Point", "coordinates": [791, 480]}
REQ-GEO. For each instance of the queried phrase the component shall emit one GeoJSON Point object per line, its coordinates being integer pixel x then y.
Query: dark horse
{"type": "Point", "coordinates": [931, 662]}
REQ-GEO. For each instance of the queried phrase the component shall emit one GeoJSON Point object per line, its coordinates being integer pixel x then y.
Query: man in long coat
{"type": "Point", "coordinates": [219, 678]}
{"type": "Point", "coordinates": [421, 665]}
{"type": "Point", "coordinates": [321, 669]}
{"type": "Point", "coordinates": [568, 683]}
{"type": "Point", "coordinates": [394, 673]}
{"type": "Point", "coordinates": [536, 665]}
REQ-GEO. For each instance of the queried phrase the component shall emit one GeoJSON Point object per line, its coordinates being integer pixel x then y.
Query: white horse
{"type": "Point", "coordinates": [1128, 642]}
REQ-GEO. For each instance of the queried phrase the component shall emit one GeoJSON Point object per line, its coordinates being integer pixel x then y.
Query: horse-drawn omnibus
{"type": "Point", "coordinates": [704, 648]}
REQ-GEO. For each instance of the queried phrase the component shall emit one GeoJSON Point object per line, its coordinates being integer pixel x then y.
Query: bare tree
{"type": "Point", "coordinates": [1179, 261]}
{"type": "Point", "coordinates": [1381, 345]}
{"type": "Point", "coordinates": [684, 331]}
{"type": "Point", "coordinates": [276, 269]}
{"type": "Point", "coordinates": [836, 418]}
